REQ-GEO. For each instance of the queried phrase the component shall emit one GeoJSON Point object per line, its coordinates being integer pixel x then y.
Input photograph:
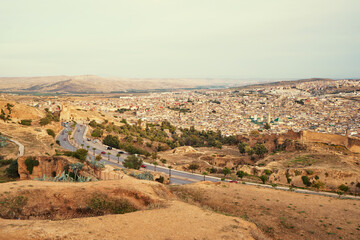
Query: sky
{"type": "Point", "coordinates": [234, 39]}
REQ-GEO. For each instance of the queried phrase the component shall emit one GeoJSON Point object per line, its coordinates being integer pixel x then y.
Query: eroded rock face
{"type": "Point", "coordinates": [47, 166]}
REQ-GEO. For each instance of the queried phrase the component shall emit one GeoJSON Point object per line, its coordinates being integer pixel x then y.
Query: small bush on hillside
{"type": "Point", "coordinates": [26, 122]}
{"type": "Point", "coordinates": [343, 188]}
{"type": "Point", "coordinates": [268, 172]}
{"type": "Point", "coordinates": [306, 181]}
{"type": "Point", "coordinates": [50, 132]}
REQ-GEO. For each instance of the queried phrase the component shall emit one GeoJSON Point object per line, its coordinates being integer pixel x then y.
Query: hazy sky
{"type": "Point", "coordinates": [181, 38]}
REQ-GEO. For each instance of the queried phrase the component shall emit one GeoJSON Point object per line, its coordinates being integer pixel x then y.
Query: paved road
{"type": "Point", "coordinates": [21, 147]}
{"type": "Point", "coordinates": [177, 177]}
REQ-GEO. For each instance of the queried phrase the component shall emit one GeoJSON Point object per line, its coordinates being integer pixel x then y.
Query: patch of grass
{"type": "Point", "coordinates": [301, 161]}
{"type": "Point", "coordinates": [102, 204]}
{"type": "Point", "coordinates": [11, 207]}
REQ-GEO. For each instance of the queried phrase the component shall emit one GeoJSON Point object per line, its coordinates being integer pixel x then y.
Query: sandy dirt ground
{"type": "Point", "coordinates": [174, 220]}
{"type": "Point", "coordinates": [279, 214]}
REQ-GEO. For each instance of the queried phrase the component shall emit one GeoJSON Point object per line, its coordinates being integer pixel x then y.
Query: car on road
{"type": "Point", "coordinates": [143, 166]}
{"type": "Point", "coordinates": [88, 139]}
{"type": "Point", "coordinates": [121, 152]}
{"type": "Point", "coordinates": [109, 148]}
{"type": "Point", "coordinates": [64, 139]}
{"type": "Point", "coordinates": [78, 130]}
{"type": "Point", "coordinates": [233, 181]}
{"type": "Point", "coordinates": [103, 152]}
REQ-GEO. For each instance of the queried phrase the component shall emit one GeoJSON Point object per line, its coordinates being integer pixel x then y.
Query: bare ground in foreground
{"type": "Point", "coordinates": [279, 214]}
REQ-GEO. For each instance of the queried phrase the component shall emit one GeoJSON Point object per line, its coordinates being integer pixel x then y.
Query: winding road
{"type": "Point", "coordinates": [176, 176]}
{"type": "Point", "coordinates": [21, 147]}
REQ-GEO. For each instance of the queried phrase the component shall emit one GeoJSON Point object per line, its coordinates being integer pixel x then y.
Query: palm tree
{"type": "Point", "coordinates": [204, 173]}
{"type": "Point", "coordinates": [88, 147]}
{"type": "Point", "coordinates": [118, 156]}
{"type": "Point", "coordinates": [170, 167]}
{"type": "Point", "coordinates": [94, 150]}
{"type": "Point", "coordinates": [82, 145]}
{"type": "Point", "coordinates": [155, 164]}
{"type": "Point", "coordinates": [109, 155]}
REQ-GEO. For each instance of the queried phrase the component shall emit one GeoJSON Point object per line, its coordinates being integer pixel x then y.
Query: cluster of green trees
{"type": "Point", "coordinates": [80, 154]}
{"type": "Point", "coordinates": [3, 115]}
{"type": "Point", "coordinates": [113, 141]}
{"type": "Point", "coordinates": [157, 132]}
{"type": "Point", "coordinates": [259, 149]}
{"type": "Point", "coordinates": [50, 117]}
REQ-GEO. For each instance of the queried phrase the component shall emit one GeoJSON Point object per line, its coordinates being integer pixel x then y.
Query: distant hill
{"type": "Point", "coordinates": [96, 84]}
{"type": "Point", "coordinates": [286, 83]}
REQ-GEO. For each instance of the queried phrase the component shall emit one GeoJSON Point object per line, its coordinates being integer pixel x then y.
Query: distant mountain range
{"type": "Point", "coordinates": [96, 84]}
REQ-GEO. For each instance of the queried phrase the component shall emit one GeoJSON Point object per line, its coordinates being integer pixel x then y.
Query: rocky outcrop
{"type": "Point", "coordinates": [47, 166]}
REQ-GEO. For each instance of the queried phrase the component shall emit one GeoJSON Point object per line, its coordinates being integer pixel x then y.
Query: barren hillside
{"type": "Point", "coordinates": [150, 213]}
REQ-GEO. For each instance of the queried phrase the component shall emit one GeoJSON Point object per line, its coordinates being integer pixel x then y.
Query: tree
{"type": "Point", "coordinates": [155, 164]}
{"type": "Point", "coordinates": [226, 171]}
{"type": "Point", "coordinates": [94, 150]}
{"type": "Point", "coordinates": [242, 148]}
{"type": "Point", "coordinates": [267, 126]}
{"type": "Point", "coordinates": [250, 152]}
{"type": "Point", "coordinates": [343, 188]}
{"type": "Point", "coordinates": [82, 145]}
{"type": "Point", "coordinates": [306, 181]}
{"type": "Point", "coordinates": [241, 174]}
{"type": "Point", "coordinates": [98, 157]}
{"type": "Point", "coordinates": [204, 173]}
{"type": "Point", "coordinates": [112, 141]}
{"type": "Point", "coordinates": [193, 167]}
{"type": "Point", "coordinates": [264, 178]}
{"type": "Point", "coordinates": [109, 153]}
{"type": "Point", "coordinates": [260, 150]}
{"type": "Point", "coordinates": [97, 132]}
{"type": "Point", "coordinates": [118, 156]}
{"type": "Point", "coordinates": [132, 162]}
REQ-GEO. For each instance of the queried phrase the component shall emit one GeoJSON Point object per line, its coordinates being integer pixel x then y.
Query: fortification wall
{"type": "Point", "coordinates": [351, 143]}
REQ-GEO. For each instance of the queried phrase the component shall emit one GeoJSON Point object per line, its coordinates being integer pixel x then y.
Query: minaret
{"type": "Point", "coordinates": [268, 118]}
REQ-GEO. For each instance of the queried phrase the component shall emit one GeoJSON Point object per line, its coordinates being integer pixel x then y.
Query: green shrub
{"type": "Point", "coordinates": [241, 174]}
{"type": "Point", "coordinates": [160, 179]}
{"type": "Point", "coordinates": [26, 122]}
{"type": "Point", "coordinates": [264, 178]}
{"type": "Point", "coordinates": [50, 132]}
{"type": "Point", "coordinates": [310, 172]}
{"type": "Point", "coordinates": [297, 172]}
{"type": "Point", "coordinates": [343, 188]}
{"type": "Point", "coordinates": [30, 163]}
{"type": "Point", "coordinates": [12, 170]}
{"type": "Point", "coordinates": [268, 172]}
{"type": "Point", "coordinates": [318, 184]}
{"type": "Point", "coordinates": [306, 181]}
